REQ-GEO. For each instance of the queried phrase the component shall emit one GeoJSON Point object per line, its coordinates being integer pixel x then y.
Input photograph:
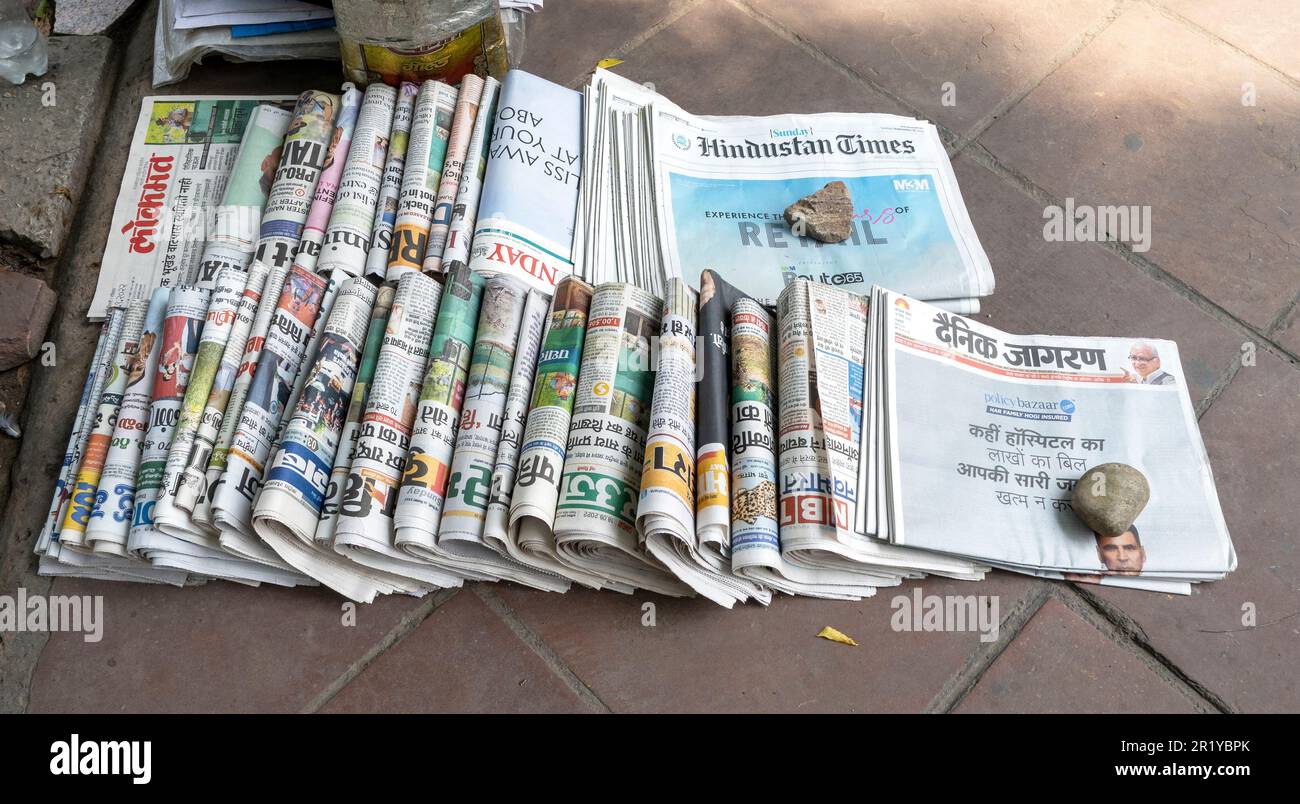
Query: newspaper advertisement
{"type": "Point", "coordinates": [1003, 426]}
{"type": "Point", "coordinates": [390, 187]}
{"type": "Point", "coordinates": [546, 435]}
{"type": "Point", "coordinates": [182, 153]}
{"type": "Point", "coordinates": [425, 152]}
{"type": "Point", "coordinates": [595, 519]}
{"type": "Point", "coordinates": [464, 211]}
{"type": "Point", "coordinates": [236, 223]}
{"type": "Point", "coordinates": [356, 408]}
{"type": "Point", "coordinates": [423, 491]}
{"type": "Point", "coordinates": [530, 191]}
{"type": "Point", "coordinates": [721, 185]}
{"type": "Point", "coordinates": [462, 127]}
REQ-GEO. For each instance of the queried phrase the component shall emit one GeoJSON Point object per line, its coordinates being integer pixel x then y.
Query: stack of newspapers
{"type": "Point", "coordinates": [976, 438]}
{"type": "Point", "coordinates": [397, 339]}
{"type": "Point", "coordinates": [666, 193]}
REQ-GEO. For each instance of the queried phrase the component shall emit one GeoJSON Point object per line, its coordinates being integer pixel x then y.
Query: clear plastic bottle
{"type": "Point", "coordinates": [22, 48]}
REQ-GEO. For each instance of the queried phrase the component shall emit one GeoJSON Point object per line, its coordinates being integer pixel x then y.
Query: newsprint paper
{"type": "Point", "coordinates": [986, 433]}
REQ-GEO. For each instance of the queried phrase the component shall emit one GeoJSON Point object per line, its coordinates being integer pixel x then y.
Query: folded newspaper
{"type": "Point", "coordinates": [979, 436]}
{"type": "Point", "coordinates": [666, 193]}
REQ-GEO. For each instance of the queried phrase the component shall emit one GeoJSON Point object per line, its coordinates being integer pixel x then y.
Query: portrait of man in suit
{"type": "Point", "coordinates": [1146, 363]}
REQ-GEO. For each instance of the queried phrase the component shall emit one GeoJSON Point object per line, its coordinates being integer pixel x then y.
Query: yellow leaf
{"type": "Point", "coordinates": [605, 64]}
{"type": "Point", "coordinates": [836, 636]}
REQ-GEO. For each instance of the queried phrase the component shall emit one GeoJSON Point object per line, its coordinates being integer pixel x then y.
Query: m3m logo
{"type": "Point", "coordinates": [911, 185]}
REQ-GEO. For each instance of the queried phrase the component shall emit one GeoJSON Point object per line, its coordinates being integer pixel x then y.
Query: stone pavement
{"type": "Point", "coordinates": [1189, 106]}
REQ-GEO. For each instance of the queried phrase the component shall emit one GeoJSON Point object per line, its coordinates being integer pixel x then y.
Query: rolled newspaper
{"type": "Point", "coordinates": [329, 514]}
{"type": "Point", "coordinates": [423, 490]}
{"type": "Point", "coordinates": [235, 227]}
{"type": "Point", "coordinates": [462, 128]}
{"type": "Point", "coordinates": [595, 519]}
{"type": "Point", "coordinates": [352, 221]}
{"type": "Point", "coordinates": [71, 453]}
{"type": "Point", "coordinates": [496, 523]}
{"type": "Point", "coordinates": [390, 187]}
{"type": "Point", "coordinates": [111, 520]}
{"type": "Point", "coordinates": [86, 482]}
{"type": "Point", "coordinates": [666, 511]}
{"type": "Point", "coordinates": [288, 508]}
{"type": "Point", "coordinates": [457, 467]}
{"type": "Point", "coordinates": [364, 532]}
{"type": "Point", "coordinates": [546, 436]}
{"type": "Point", "coordinates": [327, 186]}
{"type": "Point", "coordinates": [464, 211]}
{"type": "Point", "coordinates": [425, 153]}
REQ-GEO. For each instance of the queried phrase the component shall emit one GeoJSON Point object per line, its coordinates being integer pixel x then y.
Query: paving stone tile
{"type": "Point", "coordinates": [1060, 663]}
{"type": "Point", "coordinates": [566, 39]}
{"type": "Point", "coordinates": [462, 659]}
{"type": "Point", "coordinates": [48, 148]}
{"type": "Point", "coordinates": [718, 60]}
{"type": "Point", "coordinates": [1151, 113]}
{"type": "Point", "coordinates": [1252, 433]}
{"type": "Point", "coordinates": [1266, 29]}
{"type": "Point", "coordinates": [220, 647]}
{"type": "Point", "coordinates": [26, 304]}
{"type": "Point", "coordinates": [700, 657]}
{"type": "Point", "coordinates": [1081, 288]}
{"type": "Point", "coordinates": [988, 50]}
{"type": "Point", "coordinates": [1288, 335]}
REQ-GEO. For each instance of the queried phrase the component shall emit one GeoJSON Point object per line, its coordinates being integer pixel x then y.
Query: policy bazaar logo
{"type": "Point", "coordinates": [1017, 407]}
{"type": "Point", "coordinates": [77, 757]}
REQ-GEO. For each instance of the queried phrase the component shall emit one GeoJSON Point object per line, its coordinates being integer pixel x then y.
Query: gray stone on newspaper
{"type": "Point", "coordinates": [826, 215]}
{"type": "Point", "coordinates": [1109, 497]}
{"type": "Point", "coordinates": [48, 130]}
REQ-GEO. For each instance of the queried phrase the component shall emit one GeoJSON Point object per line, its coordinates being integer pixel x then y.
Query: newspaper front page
{"type": "Point", "coordinates": [464, 212]}
{"type": "Point", "coordinates": [1000, 427]}
{"type": "Point", "coordinates": [426, 150]}
{"type": "Point", "coordinates": [182, 153]}
{"type": "Point", "coordinates": [462, 128]}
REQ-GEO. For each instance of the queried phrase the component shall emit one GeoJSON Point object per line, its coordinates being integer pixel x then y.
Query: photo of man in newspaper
{"type": "Point", "coordinates": [1145, 360]}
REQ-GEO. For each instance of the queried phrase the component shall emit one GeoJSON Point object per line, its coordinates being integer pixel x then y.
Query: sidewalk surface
{"type": "Point", "coordinates": [1101, 101]}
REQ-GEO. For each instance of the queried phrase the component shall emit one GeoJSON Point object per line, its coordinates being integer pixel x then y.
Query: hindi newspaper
{"type": "Point", "coordinates": [345, 451]}
{"type": "Point", "coordinates": [365, 529]}
{"type": "Point", "coordinates": [422, 493]}
{"type": "Point", "coordinates": [288, 507]}
{"type": "Point", "coordinates": [496, 522]}
{"type": "Point", "coordinates": [464, 211]}
{"type": "Point", "coordinates": [390, 187]}
{"type": "Point", "coordinates": [111, 519]}
{"type": "Point", "coordinates": [236, 222]}
{"type": "Point", "coordinates": [352, 220]}
{"type": "Point", "coordinates": [475, 401]}
{"type": "Point", "coordinates": [182, 153]}
{"type": "Point", "coordinates": [530, 191]}
{"type": "Point", "coordinates": [425, 152]}
{"type": "Point", "coordinates": [1000, 428]}
{"type": "Point", "coordinates": [546, 436]}
{"type": "Point", "coordinates": [595, 518]}
{"type": "Point", "coordinates": [462, 128]}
